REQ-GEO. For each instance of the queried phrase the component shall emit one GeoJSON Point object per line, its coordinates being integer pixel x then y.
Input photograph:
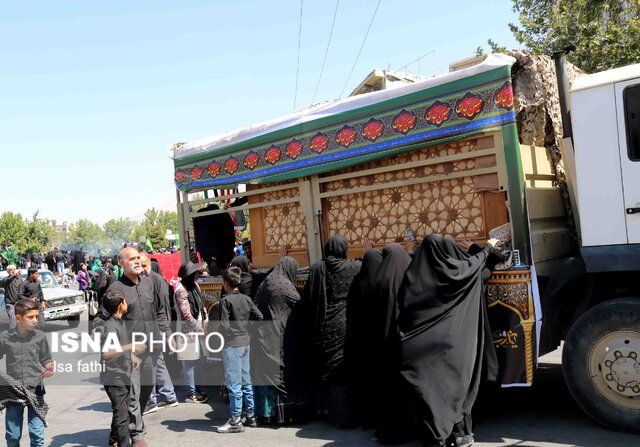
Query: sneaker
{"type": "Point", "coordinates": [202, 395]}
{"type": "Point", "coordinates": [150, 409]}
{"type": "Point", "coordinates": [173, 403]}
{"type": "Point", "coordinates": [233, 425]}
{"type": "Point", "coordinates": [196, 398]}
{"type": "Point", "coordinates": [249, 420]}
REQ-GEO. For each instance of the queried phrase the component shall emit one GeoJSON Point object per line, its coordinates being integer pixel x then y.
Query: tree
{"type": "Point", "coordinates": [13, 230]}
{"type": "Point", "coordinates": [119, 231]}
{"type": "Point", "coordinates": [25, 236]}
{"type": "Point", "coordinates": [168, 220]}
{"type": "Point", "coordinates": [39, 234]}
{"type": "Point", "coordinates": [86, 233]}
{"type": "Point", "coordinates": [155, 226]}
{"type": "Point", "coordinates": [605, 32]}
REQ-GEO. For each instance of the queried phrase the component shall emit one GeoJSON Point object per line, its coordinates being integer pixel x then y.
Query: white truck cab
{"type": "Point", "coordinates": [593, 302]}
{"type": "Point", "coordinates": [605, 115]}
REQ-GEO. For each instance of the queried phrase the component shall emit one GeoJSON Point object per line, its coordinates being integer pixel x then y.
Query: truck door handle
{"type": "Point", "coordinates": [633, 210]}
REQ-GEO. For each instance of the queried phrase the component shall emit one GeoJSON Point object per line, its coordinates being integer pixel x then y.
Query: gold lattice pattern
{"type": "Point", "coordinates": [447, 207]}
{"type": "Point", "coordinates": [414, 156]}
{"type": "Point", "coordinates": [284, 224]}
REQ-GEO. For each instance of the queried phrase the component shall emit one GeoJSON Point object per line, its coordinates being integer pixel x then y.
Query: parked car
{"type": "Point", "coordinates": [61, 303]}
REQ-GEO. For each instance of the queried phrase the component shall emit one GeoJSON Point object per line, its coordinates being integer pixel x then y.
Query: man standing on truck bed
{"type": "Point", "coordinates": [215, 239]}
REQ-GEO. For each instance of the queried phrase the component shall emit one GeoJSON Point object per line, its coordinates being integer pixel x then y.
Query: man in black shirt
{"type": "Point", "coordinates": [163, 393]}
{"type": "Point", "coordinates": [118, 366]}
{"type": "Point", "coordinates": [142, 317]}
{"type": "Point", "coordinates": [31, 289]}
{"type": "Point", "coordinates": [11, 285]}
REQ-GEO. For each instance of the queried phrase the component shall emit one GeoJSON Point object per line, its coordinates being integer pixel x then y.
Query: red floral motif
{"type": "Point", "coordinates": [346, 136]}
{"type": "Point", "coordinates": [293, 149]}
{"type": "Point", "coordinates": [251, 160]}
{"type": "Point", "coordinates": [503, 97]}
{"type": "Point", "coordinates": [272, 155]}
{"type": "Point", "coordinates": [179, 176]}
{"type": "Point", "coordinates": [196, 172]}
{"type": "Point", "coordinates": [319, 143]}
{"type": "Point", "coordinates": [213, 169]}
{"type": "Point", "coordinates": [469, 106]}
{"type": "Point", "coordinates": [231, 165]}
{"type": "Point", "coordinates": [404, 121]}
{"type": "Point", "coordinates": [437, 113]}
{"type": "Point", "coordinates": [372, 130]}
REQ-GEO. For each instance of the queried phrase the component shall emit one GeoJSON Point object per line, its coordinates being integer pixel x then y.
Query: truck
{"type": "Point", "coordinates": [520, 146]}
{"type": "Point", "coordinates": [61, 303]}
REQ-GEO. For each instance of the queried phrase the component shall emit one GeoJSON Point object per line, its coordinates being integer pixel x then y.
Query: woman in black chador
{"type": "Point", "coordinates": [393, 421]}
{"type": "Point", "coordinates": [443, 341]}
{"type": "Point", "coordinates": [276, 299]}
{"type": "Point", "coordinates": [359, 352]}
{"type": "Point", "coordinates": [326, 295]}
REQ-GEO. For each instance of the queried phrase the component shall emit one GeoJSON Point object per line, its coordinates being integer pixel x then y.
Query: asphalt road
{"type": "Point", "coordinates": [544, 415]}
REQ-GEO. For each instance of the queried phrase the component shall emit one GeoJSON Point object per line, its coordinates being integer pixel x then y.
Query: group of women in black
{"type": "Point", "coordinates": [398, 342]}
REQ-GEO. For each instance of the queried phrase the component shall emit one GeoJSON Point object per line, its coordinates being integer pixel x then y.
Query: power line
{"type": "Point", "coordinates": [361, 47]}
{"type": "Point", "coordinates": [417, 60]}
{"type": "Point", "coordinates": [335, 13]}
{"type": "Point", "coordinates": [295, 95]}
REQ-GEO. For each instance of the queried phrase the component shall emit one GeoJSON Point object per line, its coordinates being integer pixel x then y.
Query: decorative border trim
{"type": "Point", "coordinates": [454, 115]}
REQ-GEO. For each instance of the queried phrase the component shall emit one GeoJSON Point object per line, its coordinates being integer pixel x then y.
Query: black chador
{"type": "Point", "coordinates": [442, 322]}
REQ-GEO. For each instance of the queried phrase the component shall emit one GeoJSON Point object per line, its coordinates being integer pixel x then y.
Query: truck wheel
{"type": "Point", "coordinates": [74, 321]}
{"type": "Point", "coordinates": [601, 363]}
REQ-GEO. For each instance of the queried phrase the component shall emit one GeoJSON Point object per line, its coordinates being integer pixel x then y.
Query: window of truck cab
{"type": "Point", "coordinates": [632, 120]}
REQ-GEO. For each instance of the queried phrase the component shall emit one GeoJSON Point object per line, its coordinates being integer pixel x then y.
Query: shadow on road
{"type": "Point", "coordinates": [102, 407]}
{"type": "Point", "coordinates": [88, 438]}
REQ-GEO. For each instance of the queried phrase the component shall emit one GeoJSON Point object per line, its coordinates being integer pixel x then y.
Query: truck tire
{"type": "Point", "coordinates": [74, 321]}
{"type": "Point", "coordinates": [601, 363]}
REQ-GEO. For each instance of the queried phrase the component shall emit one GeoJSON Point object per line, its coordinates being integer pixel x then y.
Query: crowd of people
{"type": "Point", "coordinates": [397, 341]}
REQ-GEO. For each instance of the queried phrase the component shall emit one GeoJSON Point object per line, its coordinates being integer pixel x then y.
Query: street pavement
{"type": "Point", "coordinates": [541, 416]}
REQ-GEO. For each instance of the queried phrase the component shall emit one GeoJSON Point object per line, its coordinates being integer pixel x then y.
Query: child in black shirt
{"type": "Point", "coordinates": [28, 362]}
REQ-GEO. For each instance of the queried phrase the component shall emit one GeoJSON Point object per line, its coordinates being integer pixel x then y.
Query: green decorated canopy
{"type": "Point", "coordinates": [353, 130]}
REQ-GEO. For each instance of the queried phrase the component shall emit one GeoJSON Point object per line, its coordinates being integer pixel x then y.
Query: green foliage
{"type": "Point", "coordinates": [40, 234]}
{"type": "Point", "coordinates": [155, 226]}
{"type": "Point", "coordinates": [26, 237]}
{"type": "Point", "coordinates": [494, 47]}
{"type": "Point", "coordinates": [37, 234]}
{"type": "Point", "coordinates": [86, 233]}
{"type": "Point", "coordinates": [119, 231]}
{"type": "Point", "coordinates": [605, 32]}
{"type": "Point", "coordinates": [13, 230]}
{"type": "Point", "coordinates": [168, 220]}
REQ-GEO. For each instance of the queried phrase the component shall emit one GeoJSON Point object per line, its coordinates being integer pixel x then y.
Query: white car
{"type": "Point", "coordinates": [61, 303]}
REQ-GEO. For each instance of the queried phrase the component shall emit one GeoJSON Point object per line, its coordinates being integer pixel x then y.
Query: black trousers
{"type": "Point", "coordinates": [143, 380]}
{"type": "Point", "coordinates": [119, 397]}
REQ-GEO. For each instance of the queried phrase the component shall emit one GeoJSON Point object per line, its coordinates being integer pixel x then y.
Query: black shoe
{"type": "Point", "coordinates": [195, 398]}
{"type": "Point", "coordinates": [249, 420]}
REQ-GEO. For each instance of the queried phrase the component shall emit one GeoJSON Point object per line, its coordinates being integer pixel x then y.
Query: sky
{"type": "Point", "coordinates": [93, 94]}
